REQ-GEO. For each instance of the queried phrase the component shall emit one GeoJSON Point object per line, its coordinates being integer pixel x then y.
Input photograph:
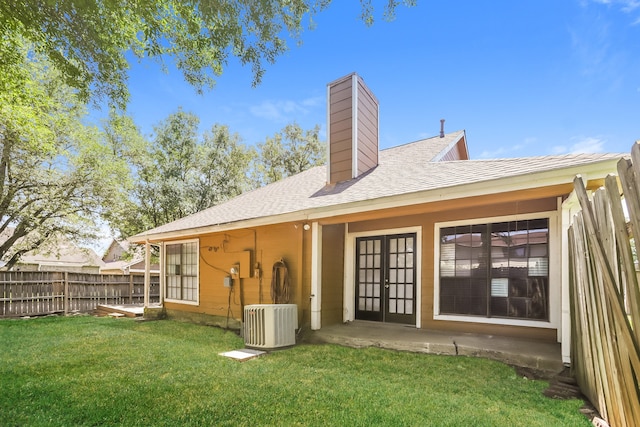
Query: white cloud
{"type": "Point", "coordinates": [626, 6]}
{"type": "Point", "coordinates": [511, 151]}
{"type": "Point", "coordinates": [582, 145]}
{"type": "Point", "coordinates": [285, 110]}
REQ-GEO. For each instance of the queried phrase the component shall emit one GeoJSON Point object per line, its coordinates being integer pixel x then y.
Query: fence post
{"type": "Point", "coordinates": [66, 293]}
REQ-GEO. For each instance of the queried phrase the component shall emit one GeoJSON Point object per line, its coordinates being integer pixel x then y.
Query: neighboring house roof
{"type": "Point", "coordinates": [115, 250]}
{"type": "Point", "coordinates": [113, 262]}
{"type": "Point", "coordinates": [62, 253]}
{"type": "Point", "coordinates": [65, 254]}
{"type": "Point", "coordinates": [403, 171]}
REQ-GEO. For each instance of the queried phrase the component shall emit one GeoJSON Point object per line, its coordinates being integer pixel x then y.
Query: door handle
{"type": "Point", "coordinates": [386, 284]}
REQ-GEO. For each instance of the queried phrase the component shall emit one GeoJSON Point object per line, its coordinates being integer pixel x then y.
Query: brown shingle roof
{"type": "Point", "coordinates": [402, 170]}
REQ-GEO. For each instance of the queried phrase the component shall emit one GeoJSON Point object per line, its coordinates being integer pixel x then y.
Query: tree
{"type": "Point", "coordinates": [287, 153]}
{"type": "Point", "coordinates": [55, 173]}
{"type": "Point", "coordinates": [223, 166]}
{"type": "Point", "coordinates": [88, 40]}
{"type": "Point", "coordinates": [169, 171]}
{"type": "Point", "coordinates": [129, 149]}
{"type": "Point", "coordinates": [181, 173]}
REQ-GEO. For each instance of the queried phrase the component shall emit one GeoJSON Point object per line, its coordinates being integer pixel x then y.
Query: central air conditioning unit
{"type": "Point", "coordinates": [270, 325]}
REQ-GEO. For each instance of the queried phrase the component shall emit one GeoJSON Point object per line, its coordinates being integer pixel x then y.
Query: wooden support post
{"type": "Point", "coordinates": [147, 273]}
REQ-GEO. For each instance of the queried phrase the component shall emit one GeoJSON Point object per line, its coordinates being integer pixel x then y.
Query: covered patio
{"type": "Point", "coordinates": [544, 357]}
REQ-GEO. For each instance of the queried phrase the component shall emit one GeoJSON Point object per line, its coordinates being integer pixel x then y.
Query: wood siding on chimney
{"type": "Point", "coordinates": [352, 128]}
{"type": "Point", "coordinates": [367, 129]}
{"type": "Point", "coordinates": [341, 130]}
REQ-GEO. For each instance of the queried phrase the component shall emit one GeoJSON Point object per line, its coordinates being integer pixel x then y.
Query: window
{"type": "Point", "coordinates": [181, 271]}
{"type": "Point", "coordinates": [496, 270]}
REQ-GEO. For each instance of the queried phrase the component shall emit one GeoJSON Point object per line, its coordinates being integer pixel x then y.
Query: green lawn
{"type": "Point", "coordinates": [102, 371]}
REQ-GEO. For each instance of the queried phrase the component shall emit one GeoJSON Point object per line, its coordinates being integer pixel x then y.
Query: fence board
{"type": "Point", "coordinates": [605, 296]}
{"type": "Point", "coordinates": [33, 293]}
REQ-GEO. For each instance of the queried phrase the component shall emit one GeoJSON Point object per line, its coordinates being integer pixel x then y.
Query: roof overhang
{"type": "Point", "coordinates": [593, 171]}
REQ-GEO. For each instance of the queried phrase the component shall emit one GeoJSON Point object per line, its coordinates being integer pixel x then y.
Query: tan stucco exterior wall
{"type": "Point", "coordinates": [263, 246]}
{"type": "Point", "coordinates": [492, 207]}
{"type": "Point", "coordinates": [332, 273]}
{"type": "Point", "coordinates": [290, 242]}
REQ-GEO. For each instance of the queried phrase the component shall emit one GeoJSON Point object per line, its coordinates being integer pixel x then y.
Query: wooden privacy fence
{"type": "Point", "coordinates": [32, 293]}
{"type": "Point", "coordinates": [605, 298]}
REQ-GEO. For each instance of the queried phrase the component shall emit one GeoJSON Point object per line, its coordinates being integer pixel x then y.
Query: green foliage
{"type": "Point", "coordinates": [102, 371]}
{"type": "Point", "coordinates": [55, 174]}
{"type": "Point", "coordinates": [180, 173]}
{"type": "Point", "coordinates": [289, 152]}
{"type": "Point", "coordinates": [87, 41]}
{"type": "Point", "coordinates": [223, 165]}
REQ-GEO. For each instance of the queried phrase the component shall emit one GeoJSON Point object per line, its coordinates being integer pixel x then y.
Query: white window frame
{"type": "Point", "coordinates": [555, 267]}
{"type": "Point", "coordinates": [164, 271]}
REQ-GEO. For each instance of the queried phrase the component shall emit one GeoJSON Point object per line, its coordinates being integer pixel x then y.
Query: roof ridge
{"type": "Point", "coordinates": [449, 134]}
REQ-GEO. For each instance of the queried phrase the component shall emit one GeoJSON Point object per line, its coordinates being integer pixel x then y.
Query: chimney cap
{"type": "Point", "coordinates": [441, 128]}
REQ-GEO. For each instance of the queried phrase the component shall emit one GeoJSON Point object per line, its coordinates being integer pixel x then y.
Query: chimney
{"type": "Point", "coordinates": [352, 129]}
{"type": "Point", "coordinates": [441, 128]}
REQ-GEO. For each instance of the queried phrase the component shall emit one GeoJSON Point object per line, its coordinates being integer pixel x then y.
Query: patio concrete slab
{"type": "Point", "coordinates": [544, 357]}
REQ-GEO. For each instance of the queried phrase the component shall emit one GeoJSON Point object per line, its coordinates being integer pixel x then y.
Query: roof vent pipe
{"type": "Point", "coordinates": [441, 128]}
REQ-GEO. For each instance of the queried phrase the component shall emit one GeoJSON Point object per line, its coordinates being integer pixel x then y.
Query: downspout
{"type": "Point", "coordinates": [316, 276]}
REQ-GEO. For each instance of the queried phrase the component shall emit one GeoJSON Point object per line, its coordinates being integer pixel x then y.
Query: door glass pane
{"type": "Point", "coordinates": [393, 245]}
{"type": "Point", "coordinates": [409, 260]}
{"type": "Point", "coordinates": [409, 276]}
{"type": "Point", "coordinates": [401, 260]}
{"type": "Point", "coordinates": [408, 308]}
{"type": "Point", "coordinates": [392, 306]}
{"type": "Point", "coordinates": [376, 304]}
{"type": "Point", "coordinates": [409, 291]}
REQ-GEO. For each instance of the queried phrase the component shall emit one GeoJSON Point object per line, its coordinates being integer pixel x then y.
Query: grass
{"type": "Point", "coordinates": [59, 371]}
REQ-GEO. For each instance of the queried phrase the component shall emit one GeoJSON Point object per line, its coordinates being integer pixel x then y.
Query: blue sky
{"type": "Point", "coordinates": [523, 78]}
